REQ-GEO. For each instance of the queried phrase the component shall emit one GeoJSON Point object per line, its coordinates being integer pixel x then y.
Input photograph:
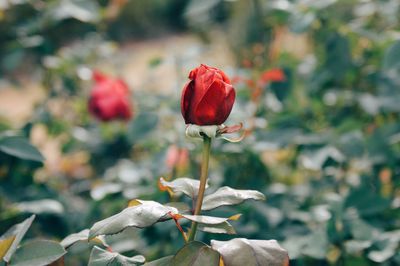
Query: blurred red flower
{"type": "Point", "coordinates": [273, 75]}
{"type": "Point", "coordinates": [109, 98]}
{"type": "Point", "coordinates": [207, 99]}
{"type": "Point", "coordinates": [177, 157]}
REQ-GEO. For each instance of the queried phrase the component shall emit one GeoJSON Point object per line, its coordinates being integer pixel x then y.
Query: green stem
{"type": "Point", "coordinates": [203, 182]}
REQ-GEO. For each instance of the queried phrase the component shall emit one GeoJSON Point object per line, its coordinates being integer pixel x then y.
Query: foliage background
{"type": "Point", "coordinates": [323, 145]}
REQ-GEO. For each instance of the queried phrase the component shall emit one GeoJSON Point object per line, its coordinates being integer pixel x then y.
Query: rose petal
{"type": "Point", "coordinates": [229, 99]}
{"type": "Point", "coordinates": [99, 76]}
{"type": "Point", "coordinates": [187, 96]}
{"type": "Point", "coordinates": [211, 110]}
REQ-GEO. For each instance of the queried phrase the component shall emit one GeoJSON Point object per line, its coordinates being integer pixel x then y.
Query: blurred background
{"type": "Point", "coordinates": [318, 91]}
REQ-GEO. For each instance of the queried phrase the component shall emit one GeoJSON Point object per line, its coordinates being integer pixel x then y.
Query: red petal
{"type": "Point", "coordinates": [198, 71]}
{"type": "Point", "coordinates": [229, 99]}
{"type": "Point", "coordinates": [224, 77]}
{"type": "Point", "coordinates": [124, 109]}
{"type": "Point", "coordinates": [211, 110]}
{"type": "Point", "coordinates": [121, 87]}
{"type": "Point", "coordinates": [99, 76]}
{"type": "Point", "coordinates": [186, 100]}
{"type": "Point", "coordinates": [108, 108]}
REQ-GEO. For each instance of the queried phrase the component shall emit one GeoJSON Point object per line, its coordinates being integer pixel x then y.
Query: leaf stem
{"type": "Point", "coordinates": [203, 182]}
{"type": "Point", "coordinates": [181, 230]}
{"type": "Point", "coordinates": [179, 227]}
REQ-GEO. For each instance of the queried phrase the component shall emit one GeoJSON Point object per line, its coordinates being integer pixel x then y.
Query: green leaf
{"type": "Point", "coordinates": [384, 254]}
{"type": "Point", "coordinates": [229, 196]}
{"type": "Point", "coordinates": [82, 10]}
{"type": "Point", "coordinates": [101, 190]}
{"type": "Point", "coordinates": [142, 125]}
{"type": "Point", "coordinates": [222, 228]}
{"type": "Point", "coordinates": [101, 257]}
{"type": "Point", "coordinates": [143, 214]}
{"type": "Point", "coordinates": [17, 231]}
{"type": "Point", "coordinates": [73, 238]}
{"type": "Point", "coordinates": [196, 254]}
{"type": "Point", "coordinates": [300, 22]}
{"type": "Point", "coordinates": [188, 186]}
{"type": "Point", "coordinates": [242, 251]}
{"type": "Point", "coordinates": [182, 207]}
{"type": "Point", "coordinates": [315, 160]}
{"type": "Point", "coordinates": [38, 253]}
{"type": "Point", "coordinates": [356, 246]}
{"type": "Point", "coordinates": [316, 244]}
{"type": "Point", "coordinates": [391, 59]}
{"type": "Point", "coordinates": [81, 236]}
{"type": "Point", "coordinates": [165, 261]}
{"type": "Point", "coordinates": [387, 246]}
{"type": "Point", "coordinates": [21, 148]}
{"type": "Point", "coordinates": [294, 245]}
{"type": "Point", "coordinates": [338, 57]}
{"type": "Point", "coordinates": [366, 202]}
{"type": "Point", "coordinates": [210, 220]}
{"type": "Point", "coordinates": [12, 59]}
{"type": "Point", "coordinates": [361, 230]}
{"type": "Point", "coordinates": [40, 206]}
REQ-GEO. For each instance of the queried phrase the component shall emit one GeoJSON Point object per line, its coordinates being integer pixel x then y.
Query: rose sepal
{"type": "Point", "coordinates": [213, 131]}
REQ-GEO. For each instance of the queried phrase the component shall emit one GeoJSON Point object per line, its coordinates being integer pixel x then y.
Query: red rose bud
{"type": "Point", "coordinates": [273, 75]}
{"type": "Point", "coordinates": [207, 99]}
{"type": "Point", "coordinates": [109, 98]}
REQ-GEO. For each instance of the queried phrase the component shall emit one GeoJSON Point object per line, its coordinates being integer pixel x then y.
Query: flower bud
{"type": "Point", "coordinates": [109, 98]}
{"type": "Point", "coordinates": [207, 99]}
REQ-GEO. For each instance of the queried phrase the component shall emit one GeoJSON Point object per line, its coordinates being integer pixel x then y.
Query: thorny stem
{"type": "Point", "coordinates": [203, 182]}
